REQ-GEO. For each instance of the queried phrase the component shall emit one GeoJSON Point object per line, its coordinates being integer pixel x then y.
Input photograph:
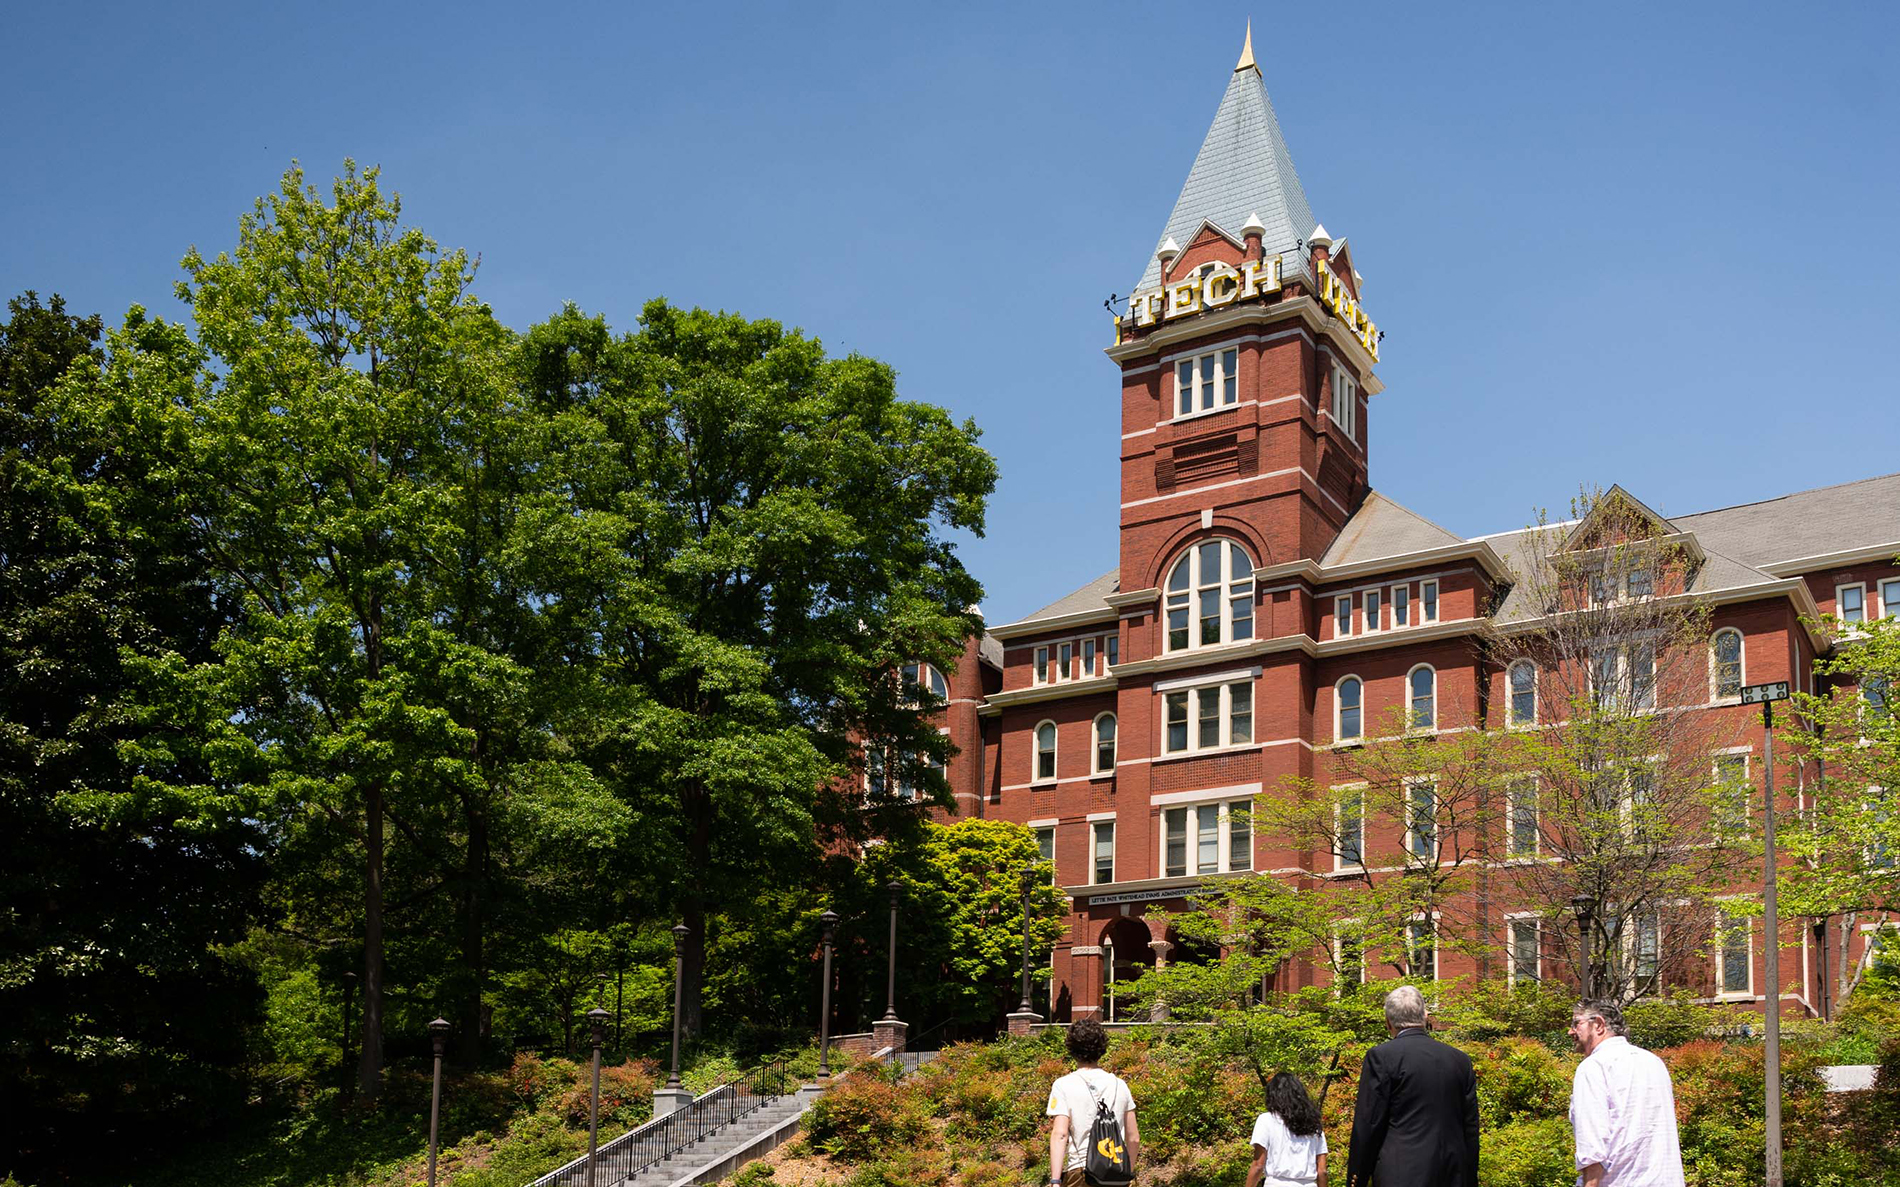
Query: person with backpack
{"type": "Point", "coordinates": [1289, 1147]}
{"type": "Point", "coordinates": [1094, 1138]}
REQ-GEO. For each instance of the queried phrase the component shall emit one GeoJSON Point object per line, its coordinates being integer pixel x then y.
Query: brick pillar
{"type": "Point", "coordinates": [1086, 961]}
{"type": "Point", "coordinates": [1021, 1026]}
{"type": "Point", "coordinates": [889, 1032]}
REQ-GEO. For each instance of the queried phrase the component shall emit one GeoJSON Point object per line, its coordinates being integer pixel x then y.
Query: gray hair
{"type": "Point", "coordinates": [1405, 1006]}
{"type": "Point", "coordinates": [1609, 1012]}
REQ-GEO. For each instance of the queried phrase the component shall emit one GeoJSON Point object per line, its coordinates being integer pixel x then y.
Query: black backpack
{"type": "Point", "coordinates": [1108, 1163]}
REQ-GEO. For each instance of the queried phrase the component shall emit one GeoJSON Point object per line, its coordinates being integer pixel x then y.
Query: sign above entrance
{"type": "Point", "coordinates": [1141, 896]}
{"type": "Point", "coordinates": [1223, 284]}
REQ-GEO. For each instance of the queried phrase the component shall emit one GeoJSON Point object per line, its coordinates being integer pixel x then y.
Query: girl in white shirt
{"type": "Point", "coordinates": [1289, 1148]}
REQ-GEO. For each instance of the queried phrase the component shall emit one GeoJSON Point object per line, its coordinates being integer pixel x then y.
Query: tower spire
{"type": "Point", "coordinates": [1246, 52]}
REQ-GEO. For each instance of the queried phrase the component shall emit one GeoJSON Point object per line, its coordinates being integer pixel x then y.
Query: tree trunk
{"type": "Point", "coordinates": [369, 1071]}
{"type": "Point", "coordinates": [474, 878]}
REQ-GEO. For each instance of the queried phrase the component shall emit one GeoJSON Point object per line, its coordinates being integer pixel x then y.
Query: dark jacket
{"type": "Point", "coordinates": [1416, 1124]}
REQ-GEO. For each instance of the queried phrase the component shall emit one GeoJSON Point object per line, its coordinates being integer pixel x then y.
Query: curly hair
{"type": "Point", "coordinates": [1087, 1041]}
{"type": "Point", "coordinates": [1287, 1099]}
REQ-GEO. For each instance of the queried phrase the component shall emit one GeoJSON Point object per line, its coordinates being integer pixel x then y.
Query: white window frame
{"type": "Point", "coordinates": [1428, 602]}
{"type": "Point", "coordinates": [1342, 602]}
{"type": "Point", "coordinates": [1089, 651]}
{"type": "Point", "coordinates": [1510, 819]}
{"type": "Point", "coordinates": [1226, 685]}
{"type": "Point", "coordinates": [1046, 832]}
{"type": "Point", "coordinates": [1095, 833]}
{"type": "Point", "coordinates": [1065, 661]}
{"type": "Point", "coordinates": [1374, 602]}
{"type": "Point", "coordinates": [1227, 584]}
{"type": "Point", "coordinates": [1747, 756]}
{"type": "Point", "coordinates": [1339, 708]}
{"type": "Point", "coordinates": [1722, 925]}
{"type": "Point", "coordinates": [1622, 676]}
{"type": "Point", "coordinates": [1411, 820]}
{"type": "Point", "coordinates": [1215, 379]}
{"type": "Point", "coordinates": [1040, 672]}
{"type": "Point", "coordinates": [1840, 611]}
{"type": "Point", "coordinates": [1095, 744]}
{"type": "Point", "coordinates": [1510, 693]}
{"type": "Point", "coordinates": [1399, 597]}
{"type": "Point", "coordinates": [925, 672]}
{"type": "Point", "coordinates": [1889, 588]}
{"type": "Point", "coordinates": [1511, 923]}
{"type": "Point", "coordinates": [1035, 752]}
{"type": "Point", "coordinates": [1411, 717]}
{"type": "Point", "coordinates": [1345, 407]}
{"type": "Point", "coordinates": [1340, 864]}
{"type": "Point", "coordinates": [1716, 695]}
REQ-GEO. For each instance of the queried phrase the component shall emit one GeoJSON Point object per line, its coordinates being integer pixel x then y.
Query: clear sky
{"type": "Point", "coordinates": [1649, 243]}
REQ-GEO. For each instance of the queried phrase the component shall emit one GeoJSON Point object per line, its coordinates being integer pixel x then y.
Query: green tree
{"type": "Point", "coordinates": [125, 865]}
{"type": "Point", "coordinates": [752, 546]}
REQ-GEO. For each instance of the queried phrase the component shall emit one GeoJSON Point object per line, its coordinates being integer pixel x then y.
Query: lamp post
{"type": "Point", "coordinates": [828, 933]}
{"type": "Point", "coordinates": [597, 1028]}
{"type": "Point", "coordinates": [680, 931]}
{"type": "Point", "coordinates": [438, 1036]}
{"type": "Point", "coordinates": [896, 889]}
{"type": "Point", "coordinates": [1585, 905]}
{"type": "Point", "coordinates": [1029, 882]}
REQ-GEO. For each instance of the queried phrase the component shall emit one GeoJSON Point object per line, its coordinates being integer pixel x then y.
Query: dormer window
{"type": "Point", "coordinates": [1207, 382]}
{"type": "Point", "coordinates": [1210, 596]}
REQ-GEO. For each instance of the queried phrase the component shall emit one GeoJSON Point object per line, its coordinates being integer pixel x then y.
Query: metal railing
{"type": "Point", "coordinates": [645, 1146]}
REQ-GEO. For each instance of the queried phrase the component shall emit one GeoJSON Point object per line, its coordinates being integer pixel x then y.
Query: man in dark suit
{"type": "Point", "coordinates": [1416, 1124]}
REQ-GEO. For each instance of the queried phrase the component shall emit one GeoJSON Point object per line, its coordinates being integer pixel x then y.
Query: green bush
{"type": "Point", "coordinates": [864, 1116]}
{"type": "Point", "coordinates": [1671, 1021]}
{"type": "Point", "coordinates": [1532, 1153]}
{"type": "Point", "coordinates": [1520, 1080]}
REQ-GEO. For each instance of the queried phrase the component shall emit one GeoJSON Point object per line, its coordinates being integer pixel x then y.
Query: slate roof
{"type": "Point", "coordinates": [1243, 169]}
{"type": "Point", "coordinates": [1089, 597]}
{"type": "Point", "coordinates": [1381, 528]}
{"type": "Point", "coordinates": [989, 649]}
{"type": "Point", "coordinates": [1806, 523]}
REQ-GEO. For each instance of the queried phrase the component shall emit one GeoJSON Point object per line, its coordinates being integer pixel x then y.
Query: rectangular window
{"type": "Point", "coordinates": [1735, 954]}
{"type": "Point", "coordinates": [1851, 603]}
{"type": "Point", "coordinates": [1046, 844]}
{"type": "Point", "coordinates": [1104, 851]}
{"type": "Point", "coordinates": [1240, 609]}
{"type": "Point", "coordinates": [1207, 839]}
{"type": "Point", "coordinates": [1526, 951]}
{"type": "Point", "coordinates": [1646, 958]}
{"type": "Point", "coordinates": [1428, 601]}
{"type": "Point", "coordinates": [1345, 403]}
{"type": "Point", "coordinates": [1422, 950]}
{"type": "Point", "coordinates": [1642, 664]}
{"type": "Point", "coordinates": [1890, 599]}
{"type": "Point", "coordinates": [1209, 717]}
{"type": "Point", "coordinates": [1088, 657]}
{"type": "Point", "coordinates": [1522, 798]}
{"type": "Point", "coordinates": [1372, 610]}
{"type": "Point", "coordinates": [1206, 381]}
{"type": "Point", "coordinates": [1732, 809]}
{"type": "Point", "coordinates": [1342, 616]}
{"type": "Point", "coordinates": [1114, 646]}
{"type": "Point", "coordinates": [1240, 835]}
{"type": "Point", "coordinates": [1230, 377]}
{"type": "Point", "coordinates": [1042, 665]}
{"type": "Point", "coordinates": [1421, 826]}
{"type": "Point", "coordinates": [1401, 605]}
{"type": "Point", "coordinates": [1184, 387]}
{"type": "Point", "coordinates": [1174, 860]}
{"type": "Point", "coordinates": [1351, 846]}
{"type": "Point", "coordinates": [1065, 654]}
{"type": "Point", "coordinates": [1177, 721]}
{"type": "Point", "coordinates": [1239, 714]}
{"type": "Point", "coordinates": [1639, 582]}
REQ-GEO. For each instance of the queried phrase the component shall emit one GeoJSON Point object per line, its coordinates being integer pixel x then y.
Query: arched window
{"type": "Point", "coordinates": [1421, 686]}
{"type": "Point", "coordinates": [1523, 692]}
{"type": "Point", "coordinates": [1726, 658]}
{"type": "Point", "coordinates": [1210, 596]}
{"type": "Point", "coordinates": [1046, 751]}
{"type": "Point", "coordinates": [1349, 709]}
{"type": "Point", "coordinates": [1105, 744]}
{"type": "Point", "coordinates": [927, 676]}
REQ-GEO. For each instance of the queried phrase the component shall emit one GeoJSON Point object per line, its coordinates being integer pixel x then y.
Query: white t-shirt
{"type": "Point", "coordinates": [1623, 1111]}
{"type": "Point", "coordinates": [1074, 1096]}
{"type": "Point", "coordinates": [1291, 1158]}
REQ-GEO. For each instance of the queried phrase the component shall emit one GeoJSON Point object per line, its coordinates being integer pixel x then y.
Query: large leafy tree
{"type": "Point", "coordinates": [125, 867]}
{"type": "Point", "coordinates": [754, 543]}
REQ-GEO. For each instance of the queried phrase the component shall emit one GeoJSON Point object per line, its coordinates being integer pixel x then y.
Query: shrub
{"type": "Point", "coordinates": [864, 1116]}
{"type": "Point", "coordinates": [1671, 1021]}
{"type": "Point", "coordinates": [1533, 1153]}
{"type": "Point", "coordinates": [1520, 1080]}
{"type": "Point", "coordinates": [626, 1094]}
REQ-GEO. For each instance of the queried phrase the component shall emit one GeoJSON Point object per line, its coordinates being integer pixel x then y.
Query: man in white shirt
{"type": "Point", "coordinates": [1622, 1106]}
{"type": "Point", "coordinates": [1072, 1103]}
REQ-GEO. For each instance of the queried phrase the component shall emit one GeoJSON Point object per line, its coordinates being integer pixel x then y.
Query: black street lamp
{"type": "Point", "coordinates": [680, 932]}
{"type": "Point", "coordinates": [896, 889]}
{"type": "Point", "coordinates": [828, 934]}
{"type": "Point", "coordinates": [1585, 906]}
{"type": "Point", "coordinates": [1029, 882]}
{"type": "Point", "coordinates": [438, 1036]}
{"type": "Point", "coordinates": [597, 1031]}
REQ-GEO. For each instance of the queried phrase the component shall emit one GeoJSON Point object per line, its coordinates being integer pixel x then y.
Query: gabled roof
{"type": "Point", "coordinates": [1243, 168]}
{"type": "Point", "coordinates": [1580, 535]}
{"type": "Point", "coordinates": [1382, 528]}
{"type": "Point", "coordinates": [1809, 523]}
{"type": "Point", "coordinates": [1089, 597]}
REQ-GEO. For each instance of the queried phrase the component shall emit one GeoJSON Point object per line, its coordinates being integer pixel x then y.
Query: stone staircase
{"type": "Point", "coordinates": [727, 1148]}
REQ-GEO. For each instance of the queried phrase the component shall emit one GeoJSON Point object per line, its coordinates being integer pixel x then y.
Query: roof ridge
{"type": "Point", "coordinates": [1788, 495]}
{"type": "Point", "coordinates": [1430, 523]}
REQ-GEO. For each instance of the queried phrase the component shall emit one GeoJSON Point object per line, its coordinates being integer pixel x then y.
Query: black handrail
{"type": "Point", "coordinates": [645, 1146]}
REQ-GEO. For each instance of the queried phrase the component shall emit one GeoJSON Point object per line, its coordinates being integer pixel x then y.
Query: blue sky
{"type": "Point", "coordinates": [1652, 244]}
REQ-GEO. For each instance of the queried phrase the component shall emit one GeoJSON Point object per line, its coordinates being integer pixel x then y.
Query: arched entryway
{"type": "Point", "coordinates": [1126, 956]}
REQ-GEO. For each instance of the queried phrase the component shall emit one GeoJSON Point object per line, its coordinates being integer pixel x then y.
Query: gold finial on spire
{"type": "Point", "coordinates": [1246, 51]}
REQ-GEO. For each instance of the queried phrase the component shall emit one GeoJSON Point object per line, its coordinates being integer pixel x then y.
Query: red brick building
{"type": "Point", "coordinates": [1264, 588]}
